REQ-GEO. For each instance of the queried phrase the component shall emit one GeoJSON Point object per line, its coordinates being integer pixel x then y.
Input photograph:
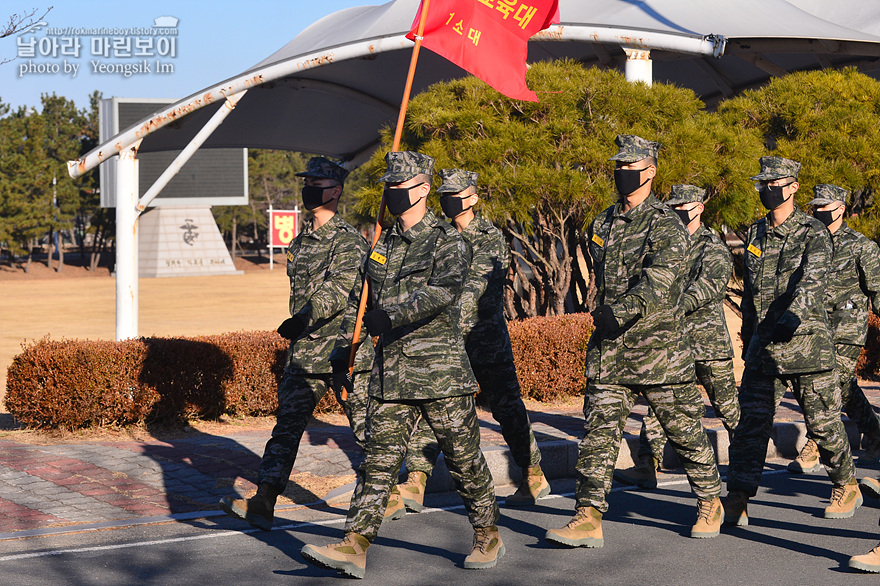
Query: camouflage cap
{"type": "Point", "coordinates": [777, 168]}
{"type": "Point", "coordinates": [826, 194]}
{"type": "Point", "coordinates": [680, 194]}
{"type": "Point", "coordinates": [456, 180]}
{"type": "Point", "coordinates": [321, 168]}
{"type": "Point", "coordinates": [634, 148]}
{"type": "Point", "coordinates": [404, 165]}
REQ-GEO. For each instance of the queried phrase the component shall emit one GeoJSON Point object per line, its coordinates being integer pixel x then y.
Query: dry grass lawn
{"type": "Point", "coordinates": [75, 306]}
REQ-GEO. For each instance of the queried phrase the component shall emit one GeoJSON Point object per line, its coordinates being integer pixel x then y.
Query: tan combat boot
{"type": "Point", "coordinates": [870, 562]}
{"type": "Point", "coordinates": [643, 474]}
{"type": "Point", "coordinates": [413, 491]}
{"type": "Point", "coordinates": [807, 461]}
{"type": "Point", "coordinates": [870, 487]}
{"type": "Point", "coordinates": [710, 514]}
{"type": "Point", "coordinates": [488, 549]}
{"type": "Point", "coordinates": [584, 530]}
{"type": "Point", "coordinates": [348, 557]}
{"type": "Point", "coordinates": [395, 509]}
{"type": "Point", "coordinates": [736, 508]}
{"type": "Point", "coordinates": [259, 510]}
{"type": "Point", "coordinates": [845, 499]}
{"type": "Point", "coordinates": [532, 487]}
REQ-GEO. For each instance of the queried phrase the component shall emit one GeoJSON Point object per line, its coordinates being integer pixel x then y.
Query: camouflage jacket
{"type": "Point", "coordinates": [416, 277]}
{"type": "Point", "coordinates": [710, 266]}
{"type": "Point", "coordinates": [784, 283]}
{"type": "Point", "coordinates": [322, 266]}
{"type": "Point", "coordinates": [639, 258]}
{"type": "Point", "coordinates": [484, 326]}
{"type": "Point", "coordinates": [854, 279]}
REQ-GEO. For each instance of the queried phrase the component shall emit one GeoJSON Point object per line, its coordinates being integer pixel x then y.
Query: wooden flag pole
{"type": "Point", "coordinates": [395, 146]}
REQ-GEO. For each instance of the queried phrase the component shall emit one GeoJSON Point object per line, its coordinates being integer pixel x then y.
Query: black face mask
{"type": "Point", "coordinates": [826, 217]}
{"type": "Point", "coordinates": [685, 216]}
{"type": "Point", "coordinates": [397, 199]}
{"type": "Point", "coordinates": [627, 180]}
{"type": "Point", "coordinates": [313, 196]}
{"type": "Point", "coordinates": [452, 206]}
{"type": "Point", "coordinates": [772, 197]}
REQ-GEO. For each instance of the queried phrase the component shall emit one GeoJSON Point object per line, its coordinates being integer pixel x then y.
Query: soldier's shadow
{"type": "Point", "coordinates": [199, 468]}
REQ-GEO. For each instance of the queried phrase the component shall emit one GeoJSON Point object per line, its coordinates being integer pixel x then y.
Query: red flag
{"type": "Point", "coordinates": [488, 38]}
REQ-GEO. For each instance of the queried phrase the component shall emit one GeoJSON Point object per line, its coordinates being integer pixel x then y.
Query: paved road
{"type": "Point", "coordinates": [146, 512]}
{"type": "Point", "coordinates": [787, 542]}
{"type": "Point", "coordinates": [59, 485]}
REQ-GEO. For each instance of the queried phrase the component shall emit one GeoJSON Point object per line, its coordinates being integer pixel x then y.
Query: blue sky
{"type": "Point", "coordinates": [215, 40]}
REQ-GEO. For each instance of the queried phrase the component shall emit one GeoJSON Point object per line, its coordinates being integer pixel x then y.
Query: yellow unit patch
{"type": "Point", "coordinates": [378, 258]}
{"type": "Point", "coordinates": [289, 256]}
{"type": "Point", "coordinates": [598, 240]}
{"type": "Point", "coordinates": [754, 250]}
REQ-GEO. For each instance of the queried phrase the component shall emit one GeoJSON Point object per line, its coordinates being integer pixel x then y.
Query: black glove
{"type": "Point", "coordinates": [341, 379]}
{"type": "Point", "coordinates": [377, 322]}
{"type": "Point", "coordinates": [782, 332]}
{"type": "Point", "coordinates": [604, 320]}
{"type": "Point", "coordinates": [292, 327]}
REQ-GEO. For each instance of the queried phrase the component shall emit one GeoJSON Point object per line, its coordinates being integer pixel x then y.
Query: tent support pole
{"type": "Point", "coordinates": [186, 154]}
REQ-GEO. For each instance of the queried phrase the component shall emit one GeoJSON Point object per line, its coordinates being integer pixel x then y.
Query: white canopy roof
{"type": "Point", "coordinates": [338, 82]}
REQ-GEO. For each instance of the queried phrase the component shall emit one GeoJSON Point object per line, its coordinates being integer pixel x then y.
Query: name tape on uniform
{"type": "Point", "coordinates": [754, 250]}
{"type": "Point", "coordinates": [378, 258]}
{"type": "Point", "coordinates": [598, 240]}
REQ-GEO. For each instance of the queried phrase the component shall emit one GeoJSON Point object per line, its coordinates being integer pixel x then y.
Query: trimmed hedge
{"type": "Point", "coordinates": [82, 383]}
{"type": "Point", "coordinates": [550, 354]}
{"type": "Point", "coordinates": [73, 384]}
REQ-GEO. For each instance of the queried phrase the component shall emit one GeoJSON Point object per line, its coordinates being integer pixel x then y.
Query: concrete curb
{"type": "Point", "coordinates": [559, 457]}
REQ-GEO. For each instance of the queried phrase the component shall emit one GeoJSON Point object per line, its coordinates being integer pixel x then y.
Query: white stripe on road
{"type": "Point", "coordinates": [289, 527]}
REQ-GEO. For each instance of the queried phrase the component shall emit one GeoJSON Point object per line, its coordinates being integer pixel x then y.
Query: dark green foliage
{"type": "Point", "coordinates": [544, 169]}
{"type": "Point", "coordinates": [37, 196]}
{"type": "Point", "coordinates": [827, 120]}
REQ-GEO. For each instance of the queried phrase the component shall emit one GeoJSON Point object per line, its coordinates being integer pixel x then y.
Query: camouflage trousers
{"type": "Point", "coordinates": [297, 396]}
{"type": "Point", "coordinates": [718, 379]}
{"type": "Point", "coordinates": [678, 408]}
{"type": "Point", "coordinates": [454, 422]}
{"type": "Point", "coordinates": [852, 397]}
{"type": "Point", "coordinates": [818, 395]}
{"type": "Point", "coordinates": [498, 384]}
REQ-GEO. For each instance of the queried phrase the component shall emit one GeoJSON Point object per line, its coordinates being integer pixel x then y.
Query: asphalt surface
{"type": "Point", "coordinates": [787, 542]}
{"type": "Point", "coordinates": [109, 509]}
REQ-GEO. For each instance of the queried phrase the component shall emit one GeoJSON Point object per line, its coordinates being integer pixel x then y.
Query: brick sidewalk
{"type": "Point", "coordinates": [46, 486]}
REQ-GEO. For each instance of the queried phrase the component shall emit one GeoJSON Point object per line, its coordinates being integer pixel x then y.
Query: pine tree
{"type": "Point", "coordinates": [544, 168]}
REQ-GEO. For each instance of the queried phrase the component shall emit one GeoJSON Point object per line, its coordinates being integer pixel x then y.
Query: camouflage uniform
{"type": "Point", "coordinates": [321, 266]}
{"type": "Point", "coordinates": [639, 258]}
{"type": "Point", "coordinates": [785, 276]}
{"type": "Point", "coordinates": [421, 368]}
{"type": "Point", "coordinates": [710, 265]}
{"type": "Point", "coordinates": [486, 340]}
{"type": "Point", "coordinates": [853, 281]}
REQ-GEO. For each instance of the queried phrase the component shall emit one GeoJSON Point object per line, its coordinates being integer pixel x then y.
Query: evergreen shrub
{"type": "Point", "coordinates": [73, 384]}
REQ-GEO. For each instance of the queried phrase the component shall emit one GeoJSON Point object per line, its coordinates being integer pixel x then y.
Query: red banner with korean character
{"type": "Point", "coordinates": [283, 227]}
{"type": "Point", "coordinates": [488, 38]}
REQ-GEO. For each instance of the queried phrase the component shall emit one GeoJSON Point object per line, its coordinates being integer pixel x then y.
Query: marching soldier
{"type": "Point", "coordinates": [709, 268]}
{"type": "Point", "coordinates": [639, 251]}
{"type": "Point", "coordinates": [853, 281]}
{"type": "Point", "coordinates": [321, 265]}
{"type": "Point", "coordinates": [787, 343]}
{"type": "Point", "coordinates": [420, 370]}
{"type": "Point", "coordinates": [488, 348]}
